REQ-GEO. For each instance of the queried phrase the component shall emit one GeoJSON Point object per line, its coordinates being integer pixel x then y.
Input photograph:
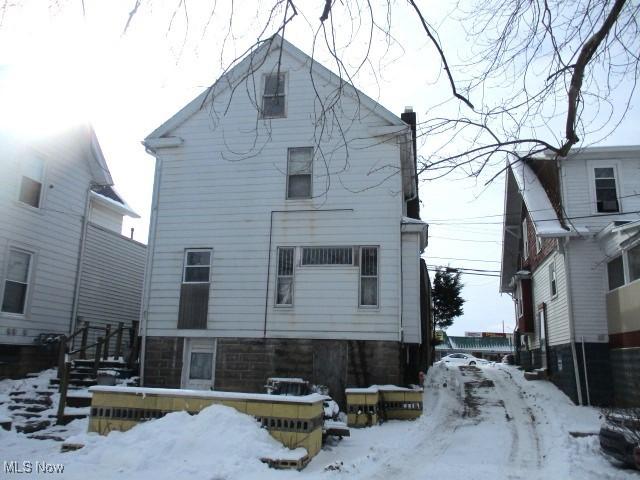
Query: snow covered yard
{"type": "Point", "coordinates": [478, 423]}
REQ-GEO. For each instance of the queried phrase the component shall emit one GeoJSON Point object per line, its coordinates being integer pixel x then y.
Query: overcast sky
{"type": "Point", "coordinates": [128, 84]}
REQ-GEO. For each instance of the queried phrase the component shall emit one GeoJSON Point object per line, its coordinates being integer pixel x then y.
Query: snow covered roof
{"type": "Point", "coordinates": [380, 388]}
{"type": "Point", "coordinates": [117, 204]}
{"type": "Point", "coordinates": [539, 207]}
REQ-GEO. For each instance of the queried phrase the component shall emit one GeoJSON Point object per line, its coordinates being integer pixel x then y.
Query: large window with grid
{"type": "Point", "coordinates": [284, 282]}
{"type": "Point", "coordinates": [327, 256]}
{"type": "Point", "coordinates": [16, 282]}
{"type": "Point", "coordinates": [368, 276]}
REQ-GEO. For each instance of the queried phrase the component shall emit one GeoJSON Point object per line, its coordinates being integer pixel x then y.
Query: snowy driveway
{"type": "Point", "coordinates": [478, 423]}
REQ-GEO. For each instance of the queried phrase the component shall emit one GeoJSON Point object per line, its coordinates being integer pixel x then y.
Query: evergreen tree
{"type": "Point", "coordinates": [447, 302]}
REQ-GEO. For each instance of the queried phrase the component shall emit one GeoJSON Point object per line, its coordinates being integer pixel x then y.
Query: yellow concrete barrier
{"type": "Point", "coordinates": [366, 406]}
{"type": "Point", "coordinates": [294, 421]}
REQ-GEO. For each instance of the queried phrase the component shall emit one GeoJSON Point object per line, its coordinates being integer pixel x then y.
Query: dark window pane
{"type": "Point", "coordinates": [273, 106]}
{"type": "Point", "coordinates": [15, 295]}
{"type": "Point", "coordinates": [369, 291]}
{"type": "Point", "coordinates": [604, 172]}
{"type": "Point", "coordinates": [285, 291]}
{"type": "Point", "coordinates": [201, 366]}
{"type": "Point", "coordinates": [327, 256]}
{"type": "Point", "coordinates": [274, 84]}
{"type": "Point", "coordinates": [196, 274]}
{"type": "Point", "coordinates": [285, 261]}
{"type": "Point", "coordinates": [299, 186]}
{"type": "Point", "coordinates": [199, 258]}
{"type": "Point", "coordinates": [30, 192]}
{"type": "Point", "coordinates": [615, 273]}
{"type": "Point", "coordinates": [634, 263]}
{"type": "Point", "coordinates": [369, 264]}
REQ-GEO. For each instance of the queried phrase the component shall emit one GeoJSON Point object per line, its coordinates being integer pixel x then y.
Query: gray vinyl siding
{"type": "Point", "coordinates": [588, 289]}
{"type": "Point", "coordinates": [210, 197]}
{"type": "Point", "coordinates": [105, 217]}
{"type": "Point", "coordinates": [556, 307]}
{"type": "Point", "coordinates": [51, 232]}
{"type": "Point", "coordinates": [411, 287]}
{"type": "Point", "coordinates": [111, 280]}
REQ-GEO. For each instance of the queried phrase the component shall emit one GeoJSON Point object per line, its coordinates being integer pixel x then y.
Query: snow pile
{"type": "Point", "coordinates": [219, 442]}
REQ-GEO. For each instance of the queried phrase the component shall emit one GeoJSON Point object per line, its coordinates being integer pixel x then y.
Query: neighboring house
{"type": "Point", "coordinates": [488, 347]}
{"type": "Point", "coordinates": [564, 233]}
{"type": "Point", "coordinates": [62, 256]}
{"type": "Point", "coordinates": [273, 249]}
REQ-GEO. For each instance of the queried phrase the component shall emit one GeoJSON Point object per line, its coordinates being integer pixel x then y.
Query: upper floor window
{"type": "Point", "coordinates": [31, 181]}
{"type": "Point", "coordinates": [273, 98]}
{"type": "Point", "coordinates": [525, 240]}
{"type": "Point", "coordinates": [16, 283]}
{"type": "Point", "coordinates": [369, 276]}
{"type": "Point", "coordinates": [615, 272]}
{"type": "Point", "coordinates": [197, 266]}
{"type": "Point", "coordinates": [299, 172]}
{"type": "Point", "coordinates": [553, 282]}
{"type": "Point", "coordinates": [606, 193]}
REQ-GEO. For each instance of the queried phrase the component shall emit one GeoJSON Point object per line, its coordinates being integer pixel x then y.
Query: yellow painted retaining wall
{"type": "Point", "coordinates": [365, 406]}
{"type": "Point", "coordinates": [294, 421]}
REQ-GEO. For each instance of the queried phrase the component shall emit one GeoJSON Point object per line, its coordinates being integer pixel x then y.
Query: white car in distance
{"type": "Point", "coordinates": [462, 359]}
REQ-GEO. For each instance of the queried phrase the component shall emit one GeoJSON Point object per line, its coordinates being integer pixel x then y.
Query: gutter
{"type": "Point", "coordinates": [81, 249]}
{"type": "Point", "coordinates": [146, 288]}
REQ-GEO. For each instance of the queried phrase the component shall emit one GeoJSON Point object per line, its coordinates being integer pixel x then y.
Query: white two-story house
{"type": "Point", "coordinates": [285, 238]}
{"type": "Point", "coordinates": [63, 259]}
{"type": "Point", "coordinates": [569, 262]}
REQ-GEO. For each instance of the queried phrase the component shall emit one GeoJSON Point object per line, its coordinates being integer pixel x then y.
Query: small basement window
{"type": "Point", "coordinates": [273, 99]}
{"type": "Point", "coordinates": [615, 272]}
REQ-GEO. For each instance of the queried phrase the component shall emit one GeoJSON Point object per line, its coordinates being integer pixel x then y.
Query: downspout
{"type": "Point", "coordinates": [81, 249]}
{"type": "Point", "coordinates": [147, 270]}
{"type": "Point", "coordinates": [567, 275]}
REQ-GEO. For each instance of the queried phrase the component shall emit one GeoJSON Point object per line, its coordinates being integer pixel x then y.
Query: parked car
{"type": "Point", "coordinates": [620, 437]}
{"type": "Point", "coordinates": [463, 359]}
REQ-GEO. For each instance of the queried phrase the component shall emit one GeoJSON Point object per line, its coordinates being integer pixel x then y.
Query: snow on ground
{"type": "Point", "coordinates": [478, 423]}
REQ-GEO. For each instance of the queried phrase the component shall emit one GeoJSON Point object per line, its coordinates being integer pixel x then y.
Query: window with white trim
{"type": "Point", "coordinates": [299, 172]}
{"type": "Point", "coordinates": [525, 240]}
{"type": "Point", "coordinates": [615, 272]}
{"type": "Point", "coordinates": [633, 260]}
{"type": "Point", "coordinates": [553, 282]}
{"type": "Point", "coordinates": [273, 98]}
{"type": "Point", "coordinates": [31, 181]}
{"type": "Point", "coordinates": [605, 189]}
{"type": "Point", "coordinates": [16, 283]}
{"type": "Point", "coordinates": [327, 256]}
{"type": "Point", "coordinates": [284, 282]}
{"type": "Point", "coordinates": [197, 266]}
{"type": "Point", "coordinates": [368, 276]}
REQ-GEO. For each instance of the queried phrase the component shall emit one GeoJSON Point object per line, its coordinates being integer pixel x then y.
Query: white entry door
{"type": "Point", "coordinates": [199, 366]}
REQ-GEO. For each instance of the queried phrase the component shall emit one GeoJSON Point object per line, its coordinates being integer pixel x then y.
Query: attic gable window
{"type": "Point", "coordinates": [299, 172]}
{"type": "Point", "coordinates": [606, 192]}
{"type": "Point", "coordinates": [31, 182]}
{"type": "Point", "coordinates": [273, 98]}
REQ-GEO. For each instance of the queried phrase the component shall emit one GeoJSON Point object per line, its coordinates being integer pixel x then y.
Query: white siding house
{"type": "Point", "coordinates": [294, 224]}
{"type": "Point", "coordinates": [51, 192]}
{"type": "Point", "coordinates": [573, 208]}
